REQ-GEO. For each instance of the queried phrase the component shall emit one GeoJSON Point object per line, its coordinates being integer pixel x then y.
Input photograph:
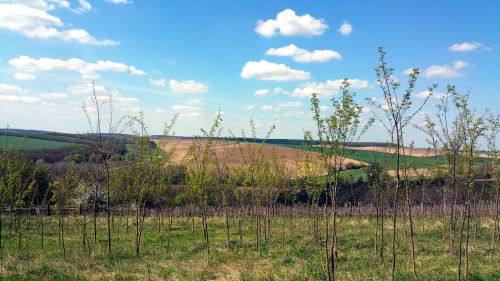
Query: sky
{"type": "Point", "coordinates": [250, 59]}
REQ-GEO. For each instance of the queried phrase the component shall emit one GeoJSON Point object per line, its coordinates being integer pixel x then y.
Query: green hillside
{"type": "Point", "coordinates": [21, 143]}
{"type": "Point", "coordinates": [384, 157]}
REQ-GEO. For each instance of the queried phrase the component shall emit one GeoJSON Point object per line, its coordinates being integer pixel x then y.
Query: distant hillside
{"type": "Point", "coordinates": [282, 142]}
{"type": "Point", "coordinates": [62, 137]}
{"type": "Point", "coordinates": [29, 143]}
{"type": "Point", "coordinates": [54, 147]}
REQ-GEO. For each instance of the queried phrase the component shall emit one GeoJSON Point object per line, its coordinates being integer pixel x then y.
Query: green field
{"type": "Point", "coordinates": [380, 157]}
{"type": "Point", "coordinates": [388, 158]}
{"type": "Point", "coordinates": [174, 252]}
{"type": "Point", "coordinates": [20, 143]}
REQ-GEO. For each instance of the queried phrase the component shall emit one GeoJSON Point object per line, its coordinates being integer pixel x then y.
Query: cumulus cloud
{"type": "Point", "coordinates": [187, 86]}
{"type": "Point", "coordinates": [136, 72]}
{"type": "Point", "coordinates": [24, 76]}
{"type": "Point", "coordinates": [33, 20]}
{"type": "Point", "coordinates": [84, 6]}
{"type": "Point", "coordinates": [328, 88]}
{"type": "Point", "coordinates": [293, 113]}
{"type": "Point", "coordinates": [287, 23]}
{"type": "Point", "coordinates": [426, 93]}
{"type": "Point", "coordinates": [264, 70]}
{"type": "Point", "coordinates": [247, 107]}
{"type": "Point", "coordinates": [279, 90]}
{"type": "Point", "coordinates": [86, 90]}
{"type": "Point", "coordinates": [193, 102]}
{"type": "Point", "coordinates": [289, 104]}
{"type": "Point", "coordinates": [446, 71]}
{"type": "Point", "coordinates": [261, 93]}
{"type": "Point", "coordinates": [27, 66]}
{"type": "Point", "coordinates": [187, 110]}
{"type": "Point", "coordinates": [345, 29]}
{"type": "Point", "coordinates": [119, 1]}
{"type": "Point", "coordinates": [53, 96]}
{"type": "Point", "coordinates": [103, 94]}
{"type": "Point", "coordinates": [266, 107]}
{"type": "Point", "coordinates": [302, 55]}
{"type": "Point", "coordinates": [465, 47]}
{"type": "Point", "coordinates": [19, 99]}
{"type": "Point", "coordinates": [366, 110]}
{"type": "Point", "coordinates": [157, 82]}
{"type": "Point", "coordinates": [408, 71]}
{"type": "Point", "coordinates": [10, 89]}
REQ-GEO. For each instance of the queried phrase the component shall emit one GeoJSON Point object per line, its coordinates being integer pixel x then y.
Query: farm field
{"type": "Point", "coordinates": [21, 143]}
{"type": "Point", "coordinates": [173, 251]}
{"type": "Point", "coordinates": [410, 151]}
{"type": "Point", "coordinates": [231, 151]}
{"type": "Point", "coordinates": [379, 155]}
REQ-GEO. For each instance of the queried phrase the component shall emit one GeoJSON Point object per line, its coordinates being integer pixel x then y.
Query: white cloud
{"type": "Point", "coordinates": [324, 108]}
{"type": "Point", "coordinates": [279, 90]}
{"type": "Point", "coordinates": [261, 93]}
{"type": "Point", "coordinates": [247, 107]}
{"type": "Point", "coordinates": [266, 107]}
{"type": "Point", "coordinates": [10, 89]}
{"type": "Point", "coordinates": [86, 90]}
{"type": "Point", "coordinates": [289, 104]}
{"type": "Point", "coordinates": [119, 1]}
{"type": "Point", "coordinates": [24, 76]}
{"type": "Point", "coordinates": [345, 29]}
{"type": "Point", "coordinates": [465, 46]}
{"type": "Point", "coordinates": [327, 89]}
{"type": "Point", "coordinates": [84, 6]}
{"type": "Point", "coordinates": [408, 71]}
{"type": "Point", "coordinates": [59, 3]}
{"type": "Point", "coordinates": [460, 64]}
{"type": "Point", "coordinates": [293, 113]}
{"type": "Point", "coordinates": [302, 55]}
{"type": "Point", "coordinates": [288, 23]}
{"type": "Point", "coordinates": [103, 94]}
{"type": "Point", "coordinates": [53, 96]}
{"type": "Point", "coordinates": [187, 86]}
{"type": "Point", "coordinates": [32, 20]}
{"type": "Point", "coordinates": [187, 110]}
{"type": "Point", "coordinates": [425, 94]}
{"type": "Point", "coordinates": [157, 83]}
{"type": "Point", "coordinates": [366, 110]}
{"type": "Point", "coordinates": [136, 72]}
{"type": "Point", "coordinates": [264, 70]}
{"type": "Point", "coordinates": [27, 65]}
{"type": "Point", "coordinates": [193, 102]}
{"type": "Point", "coordinates": [19, 99]}
{"type": "Point", "coordinates": [446, 71]}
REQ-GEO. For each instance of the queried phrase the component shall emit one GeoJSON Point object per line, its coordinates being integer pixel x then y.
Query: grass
{"type": "Point", "coordinates": [355, 174]}
{"type": "Point", "coordinates": [180, 254]}
{"type": "Point", "coordinates": [20, 143]}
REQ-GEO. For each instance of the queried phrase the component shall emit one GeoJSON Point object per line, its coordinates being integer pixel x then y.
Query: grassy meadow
{"type": "Point", "coordinates": [174, 252]}
{"type": "Point", "coordinates": [22, 143]}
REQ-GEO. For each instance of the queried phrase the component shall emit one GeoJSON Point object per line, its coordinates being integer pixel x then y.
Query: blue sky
{"type": "Point", "coordinates": [258, 59]}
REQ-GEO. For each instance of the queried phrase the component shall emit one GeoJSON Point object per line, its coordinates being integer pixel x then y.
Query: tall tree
{"type": "Point", "coordinates": [398, 111]}
{"type": "Point", "coordinates": [342, 126]}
